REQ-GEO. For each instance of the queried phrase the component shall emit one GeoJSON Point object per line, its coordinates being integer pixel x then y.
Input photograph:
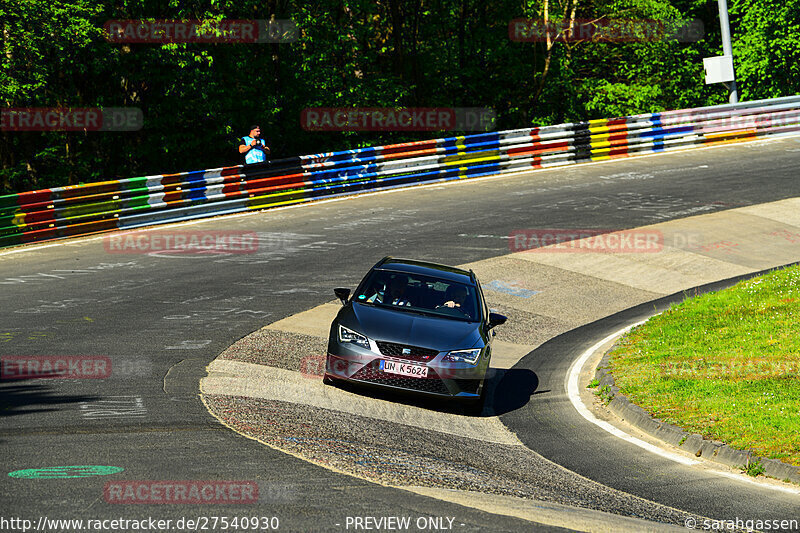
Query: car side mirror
{"type": "Point", "coordinates": [495, 319]}
{"type": "Point", "coordinates": [342, 294]}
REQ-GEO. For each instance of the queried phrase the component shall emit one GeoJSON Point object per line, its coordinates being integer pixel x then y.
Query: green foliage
{"type": "Point", "coordinates": [753, 468]}
{"type": "Point", "coordinates": [725, 365]}
{"type": "Point", "coordinates": [605, 395]}
{"type": "Point", "coordinates": [767, 47]}
{"type": "Point", "coordinates": [197, 98]}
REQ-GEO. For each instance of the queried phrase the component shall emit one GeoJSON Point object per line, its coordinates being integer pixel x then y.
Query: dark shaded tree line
{"type": "Point", "coordinates": [196, 99]}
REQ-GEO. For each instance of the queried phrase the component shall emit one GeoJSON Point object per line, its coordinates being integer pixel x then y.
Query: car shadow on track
{"type": "Point", "coordinates": [23, 398]}
{"type": "Point", "coordinates": [508, 390]}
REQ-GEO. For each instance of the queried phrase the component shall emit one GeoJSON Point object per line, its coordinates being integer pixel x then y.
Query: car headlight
{"type": "Point", "coordinates": [463, 356]}
{"type": "Point", "coordinates": [348, 335]}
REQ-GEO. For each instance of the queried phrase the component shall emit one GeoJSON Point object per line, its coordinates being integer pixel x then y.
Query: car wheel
{"type": "Point", "coordinates": [475, 407]}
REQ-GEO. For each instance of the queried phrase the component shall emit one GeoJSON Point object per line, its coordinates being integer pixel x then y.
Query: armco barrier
{"type": "Point", "coordinates": [129, 203]}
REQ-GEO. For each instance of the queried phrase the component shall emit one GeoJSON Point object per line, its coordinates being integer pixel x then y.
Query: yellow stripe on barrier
{"type": "Point", "coordinates": [461, 144]}
{"type": "Point", "coordinates": [599, 141]}
{"type": "Point", "coordinates": [489, 155]}
{"type": "Point", "coordinates": [601, 154]}
{"type": "Point", "coordinates": [729, 137]}
{"type": "Point", "coordinates": [598, 126]}
{"type": "Point", "coordinates": [281, 203]}
{"type": "Point", "coordinates": [78, 210]}
{"type": "Point", "coordinates": [19, 219]}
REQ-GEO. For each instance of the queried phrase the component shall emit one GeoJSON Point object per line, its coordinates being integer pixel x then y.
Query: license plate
{"type": "Point", "coordinates": [404, 369]}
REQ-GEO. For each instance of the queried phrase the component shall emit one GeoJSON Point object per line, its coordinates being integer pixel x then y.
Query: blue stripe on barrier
{"type": "Point", "coordinates": [194, 176]}
{"type": "Point", "coordinates": [485, 138]}
{"type": "Point", "coordinates": [473, 171]}
{"type": "Point", "coordinates": [345, 155]}
{"type": "Point", "coordinates": [473, 148]}
{"type": "Point", "coordinates": [452, 142]}
{"type": "Point", "coordinates": [195, 194]}
{"type": "Point", "coordinates": [666, 132]}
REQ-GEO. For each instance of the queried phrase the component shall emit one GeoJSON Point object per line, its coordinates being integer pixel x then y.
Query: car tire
{"type": "Point", "coordinates": [475, 407]}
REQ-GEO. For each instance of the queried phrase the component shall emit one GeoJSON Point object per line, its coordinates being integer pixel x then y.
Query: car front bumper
{"type": "Point", "coordinates": [347, 361]}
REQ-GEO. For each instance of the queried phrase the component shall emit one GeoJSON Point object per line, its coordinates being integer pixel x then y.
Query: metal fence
{"type": "Point", "coordinates": [121, 204]}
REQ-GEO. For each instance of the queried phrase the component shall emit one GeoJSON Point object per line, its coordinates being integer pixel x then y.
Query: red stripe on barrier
{"type": "Point", "coordinates": [85, 228]}
{"type": "Point", "coordinates": [39, 217]}
{"type": "Point", "coordinates": [172, 197]}
{"type": "Point", "coordinates": [618, 137]}
{"type": "Point", "coordinates": [171, 179]}
{"type": "Point", "coordinates": [232, 189]}
{"type": "Point", "coordinates": [79, 191]}
{"type": "Point", "coordinates": [43, 196]}
{"type": "Point", "coordinates": [618, 152]}
{"type": "Point", "coordinates": [539, 148]}
{"type": "Point", "coordinates": [402, 147]}
{"type": "Point", "coordinates": [231, 171]}
{"type": "Point", "coordinates": [289, 181]}
{"type": "Point", "coordinates": [416, 153]}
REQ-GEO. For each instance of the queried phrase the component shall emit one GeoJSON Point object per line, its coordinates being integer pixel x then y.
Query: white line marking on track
{"type": "Point", "coordinates": [574, 397]}
{"type": "Point", "coordinates": [573, 391]}
{"type": "Point", "coordinates": [739, 477]}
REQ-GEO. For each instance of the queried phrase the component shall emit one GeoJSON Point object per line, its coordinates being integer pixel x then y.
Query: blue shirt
{"type": "Point", "coordinates": [254, 155]}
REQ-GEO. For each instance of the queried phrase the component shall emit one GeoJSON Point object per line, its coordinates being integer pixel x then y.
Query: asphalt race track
{"type": "Point", "coordinates": [161, 319]}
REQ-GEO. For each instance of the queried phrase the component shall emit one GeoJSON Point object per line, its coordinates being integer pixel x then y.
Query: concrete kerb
{"type": "Point", "coordinates": [694, 444]}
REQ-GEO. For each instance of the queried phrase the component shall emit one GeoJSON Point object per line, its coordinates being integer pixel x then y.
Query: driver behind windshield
{"type": "Point", "coordinates": [455, 296]}
{"type": "Point", "coordinates": [394, 293]}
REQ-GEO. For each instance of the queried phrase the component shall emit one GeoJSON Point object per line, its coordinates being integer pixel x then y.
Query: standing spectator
{"type": "Point", "coordinates": [253, 147]}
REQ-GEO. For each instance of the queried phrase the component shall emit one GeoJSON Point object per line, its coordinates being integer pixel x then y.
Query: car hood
{"type": "Point", "coordinates": [405, 327]}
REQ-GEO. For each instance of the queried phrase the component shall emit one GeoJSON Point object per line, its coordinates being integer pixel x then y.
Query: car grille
{"type": "Point", "coordinates": [373, 374]}
{"type": "Point", "coordinates": [415, 353]}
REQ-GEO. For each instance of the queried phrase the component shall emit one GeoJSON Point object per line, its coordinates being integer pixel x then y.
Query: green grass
{"type": "Point", "coordinates": [604, 393]}
{"type": "Point", "coordinates": [754, 468]}
{"type": "Point", "coordinates": [725, 365]}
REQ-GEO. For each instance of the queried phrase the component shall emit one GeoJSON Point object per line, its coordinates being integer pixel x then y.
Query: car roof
{"type": "Point", "coordinates": [411, 266]}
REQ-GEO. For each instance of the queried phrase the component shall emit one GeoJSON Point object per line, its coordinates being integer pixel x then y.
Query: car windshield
{"type": "Point", "coordinates": [416, 293]}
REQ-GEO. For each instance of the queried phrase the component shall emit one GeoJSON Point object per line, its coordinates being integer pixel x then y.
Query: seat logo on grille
{"type": "Point", "coordinates": [406, 351]}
